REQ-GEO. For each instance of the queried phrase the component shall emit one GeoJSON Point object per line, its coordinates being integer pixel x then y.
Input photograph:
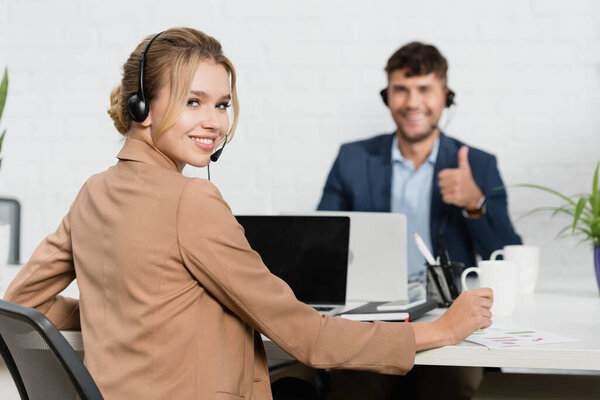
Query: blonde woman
{"type": "Point", "coordinates": [172, 298]}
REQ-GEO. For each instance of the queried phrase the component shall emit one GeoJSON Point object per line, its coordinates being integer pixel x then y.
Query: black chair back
{"type": "Point", "coordinates": [39, 358]}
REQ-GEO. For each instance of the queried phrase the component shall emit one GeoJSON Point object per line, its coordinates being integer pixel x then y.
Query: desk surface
{"type": "Point", "coordinates": [566, 302]}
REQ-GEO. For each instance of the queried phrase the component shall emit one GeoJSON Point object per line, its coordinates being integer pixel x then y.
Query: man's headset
{"type": "Point", "coordinates": [138, 108]}
{"type": "Point", "coordinates": [449, 97]}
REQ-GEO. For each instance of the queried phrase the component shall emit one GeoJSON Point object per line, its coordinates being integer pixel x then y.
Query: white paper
{"type": "Point", "coordinates": [497, 336]}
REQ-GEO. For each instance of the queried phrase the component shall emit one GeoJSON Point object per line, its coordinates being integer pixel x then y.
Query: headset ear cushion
{"type": "Point", "coordinates": [450, 98]}
{"type": "Point", "coordinates": [384, 96]}
{"type": "Point", "coordinates": [136, 108]}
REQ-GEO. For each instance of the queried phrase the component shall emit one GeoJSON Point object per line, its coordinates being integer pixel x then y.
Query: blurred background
{"type": "Point", "coordinates": [526, 74]}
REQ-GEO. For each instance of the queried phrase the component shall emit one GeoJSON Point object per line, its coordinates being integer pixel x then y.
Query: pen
{"type": "Point", "coordinates": [447, 266]}
{"type": "Point", "coordinates": [443, 250]}
{"type": "Point", "coordinates": [424, 250]}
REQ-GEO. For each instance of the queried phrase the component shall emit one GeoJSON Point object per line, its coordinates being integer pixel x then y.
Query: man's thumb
{"type": "Point", "coordinates": [463, 158]}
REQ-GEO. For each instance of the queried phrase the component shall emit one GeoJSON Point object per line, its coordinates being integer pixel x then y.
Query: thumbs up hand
{"type": "Point", "coordinates": [457, 185]}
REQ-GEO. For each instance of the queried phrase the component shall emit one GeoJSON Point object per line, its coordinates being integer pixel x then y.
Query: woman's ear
{"type": "Point", "coordinates": [148, 121]}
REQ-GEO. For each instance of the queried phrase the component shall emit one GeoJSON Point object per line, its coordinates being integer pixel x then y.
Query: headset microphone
{"type": "Point", "coordinates": [214, 157]}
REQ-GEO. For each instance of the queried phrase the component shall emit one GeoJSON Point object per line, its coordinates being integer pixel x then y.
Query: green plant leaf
{"type": "Point", "coordinates": [588, 221]}
{"type": "Point", "coordinates": [3, 91]}
{"type": "Point", "coordinates": [585, 231]}
{"type": "Point", "coordinates": [564, 231]}
{"type": "Point", "coordinates": [2, 139]}
{"type": "Point", "coordinates": [584, 208]}
{"type": "Point", "coordinates": [595, 227]}
{"type": "Point", "coordinates": [566, 209]}
{"type": "Point", "coordinates": [578, 210]}
{"type": "Point", "coordinates": [579, 195]}
{"type": "Point", "coordinates": [539, 209]}
{"type": "Point", "coordinates": [546, 189]}
{"type": "Point", "coordinates": [568, 231]}
{"type": "Point", "coordinates": [583, 240]}
{"type": "Point", "coordinates": [595, 196]}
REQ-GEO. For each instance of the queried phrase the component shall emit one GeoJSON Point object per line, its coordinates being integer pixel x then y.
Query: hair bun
{"type": "Point", "coordinates": [117, 111]}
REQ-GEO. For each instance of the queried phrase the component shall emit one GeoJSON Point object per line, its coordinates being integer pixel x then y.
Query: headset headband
{"type": "Point", "coordinates": [141, 72]}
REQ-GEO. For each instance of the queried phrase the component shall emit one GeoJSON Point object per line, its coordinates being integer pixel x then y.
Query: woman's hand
{"type": "Point", "coordinates": [469, 312]}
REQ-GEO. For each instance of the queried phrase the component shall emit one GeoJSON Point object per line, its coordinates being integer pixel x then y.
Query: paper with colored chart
{"type": "Point", "coordinates": [495, 336]}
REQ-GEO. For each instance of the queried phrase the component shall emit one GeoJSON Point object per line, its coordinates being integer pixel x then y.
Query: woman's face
{"type": "Point", "coordinates": [203, 122]}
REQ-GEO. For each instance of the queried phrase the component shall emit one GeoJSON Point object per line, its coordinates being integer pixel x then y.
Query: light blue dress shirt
{"type": "Point", "coordinates": [411, 195]}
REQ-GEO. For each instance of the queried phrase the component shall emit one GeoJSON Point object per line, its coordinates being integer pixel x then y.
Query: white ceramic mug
{"type": "Point", "coordinates": [501, 277]}
{"type": "Point", "coordinates": [527, 259]}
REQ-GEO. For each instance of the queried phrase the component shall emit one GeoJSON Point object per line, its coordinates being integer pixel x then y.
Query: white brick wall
{"type": "Point", "coordinates": [526, 74]}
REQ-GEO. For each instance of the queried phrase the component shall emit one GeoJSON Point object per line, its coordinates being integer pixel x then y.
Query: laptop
{"type": "Point", "coordinates": [377, 266]}
{"type": "Point", "coordinates": [310, 253]}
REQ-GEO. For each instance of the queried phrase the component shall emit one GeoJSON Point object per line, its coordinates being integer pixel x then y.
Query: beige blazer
{"type": "Point", "coordinates": [172, 297]}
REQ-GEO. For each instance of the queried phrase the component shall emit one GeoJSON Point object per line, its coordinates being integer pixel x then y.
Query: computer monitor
{"type": "Point", "coordinates": [310, 253]}
{"type": "Point", "coordinates": [377, 263]}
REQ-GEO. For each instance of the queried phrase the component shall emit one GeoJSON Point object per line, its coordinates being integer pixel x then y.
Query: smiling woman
{"type": "Point", "coordinates": [172, 298]}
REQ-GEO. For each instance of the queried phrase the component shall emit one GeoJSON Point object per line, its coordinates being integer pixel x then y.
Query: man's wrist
{"type": "Point", "coordinates": [477, 203]}
{"type": "Point", "coordinates": [477, 209]}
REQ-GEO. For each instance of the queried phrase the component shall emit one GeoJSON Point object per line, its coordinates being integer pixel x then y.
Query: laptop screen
{"type": "Point", "coordinates": [309, 253]}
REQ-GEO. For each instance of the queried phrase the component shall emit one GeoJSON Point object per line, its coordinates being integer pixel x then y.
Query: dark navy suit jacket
{"type": "Point", "coordinates": [361, 179]}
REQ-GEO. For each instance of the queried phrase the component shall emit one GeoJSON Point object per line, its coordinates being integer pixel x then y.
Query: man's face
{"type": "Point", "coordinates": [416, 104]}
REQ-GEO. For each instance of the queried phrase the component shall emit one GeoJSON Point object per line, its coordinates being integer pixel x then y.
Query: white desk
{"type": "Point", "coordinates": [567, 302]}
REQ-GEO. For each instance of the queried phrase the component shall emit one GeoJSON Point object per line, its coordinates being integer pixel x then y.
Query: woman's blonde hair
{"type": "Point", "coordinates": [174, 55]}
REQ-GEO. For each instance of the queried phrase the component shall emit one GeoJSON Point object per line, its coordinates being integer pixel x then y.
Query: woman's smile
{"type": "Point", "coordinates": [203, 142]}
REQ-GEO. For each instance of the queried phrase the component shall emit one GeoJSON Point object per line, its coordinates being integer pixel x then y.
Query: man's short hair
{"type": "Point", "coordinates": [418, 59]}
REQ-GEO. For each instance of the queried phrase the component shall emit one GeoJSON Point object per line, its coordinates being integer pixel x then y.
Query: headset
{"type": "Point", "coordinates": [449, 97]}
{"type": "Point", "coordinates": [137, 107]}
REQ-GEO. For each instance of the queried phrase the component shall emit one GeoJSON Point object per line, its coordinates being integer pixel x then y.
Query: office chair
{"type": "Point", "coordinates": [40, 360]}
{"type": "Point", "coordinates": [10, 211]}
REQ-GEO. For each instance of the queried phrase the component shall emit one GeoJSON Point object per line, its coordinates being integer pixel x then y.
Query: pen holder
{"type": "Point", "coordinates": [443, 282]}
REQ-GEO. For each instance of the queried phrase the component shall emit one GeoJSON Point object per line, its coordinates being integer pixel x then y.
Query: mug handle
{"type": "Point", "coordinates": [496, 253]}
{"type": "Point", "coordinates": [463, 277]}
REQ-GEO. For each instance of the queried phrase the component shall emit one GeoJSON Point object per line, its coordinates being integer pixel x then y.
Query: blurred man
{"type": "Point", "coordinates": [442, 186]}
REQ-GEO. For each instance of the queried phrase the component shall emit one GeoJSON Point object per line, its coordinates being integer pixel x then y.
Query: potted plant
{"type": "Point", "coordinates": [3, 92]}
{"type": "Point", "coordinates": [585, 211]}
